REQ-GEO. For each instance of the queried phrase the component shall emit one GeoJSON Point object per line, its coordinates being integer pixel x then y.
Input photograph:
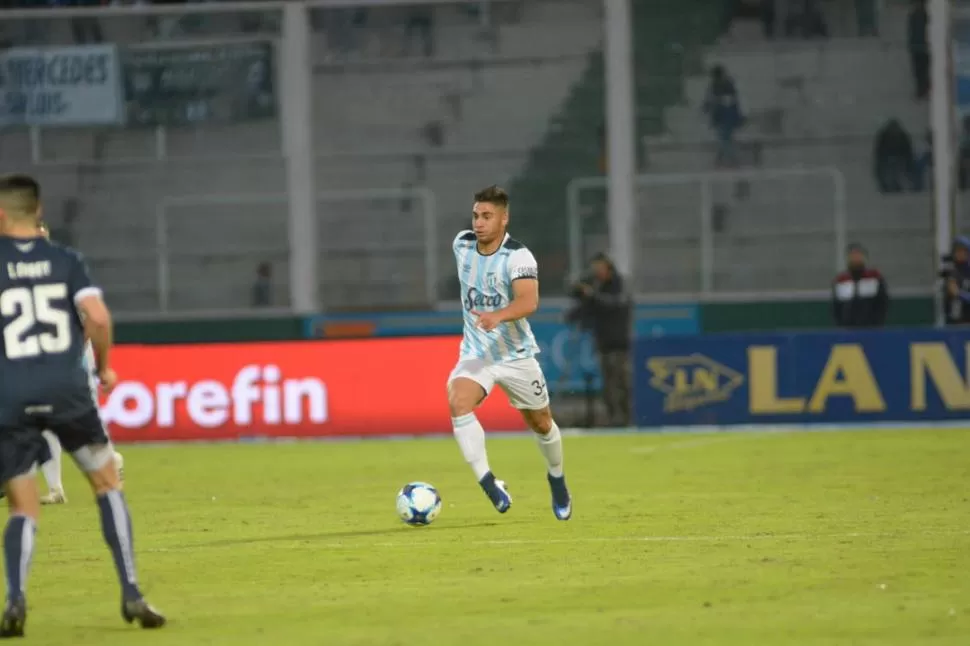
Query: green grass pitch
{"type": "Point", "coordinates": [746, 538]}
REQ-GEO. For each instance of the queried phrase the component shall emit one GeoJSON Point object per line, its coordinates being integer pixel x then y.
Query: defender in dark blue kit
{"type": "Point", "coordinates": [47, 304]}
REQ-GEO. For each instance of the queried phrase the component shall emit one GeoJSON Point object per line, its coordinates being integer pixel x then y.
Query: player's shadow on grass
{"type": "Point", "coordinates": [325, 536]}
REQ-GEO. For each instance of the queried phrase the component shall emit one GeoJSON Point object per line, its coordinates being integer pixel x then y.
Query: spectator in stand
{"type": "Point", "coordinates": [893, 157]}
{"type": "Point", "coordinates": [865, 14]}
{"type": "Point", "coordinates": [762, 11]}
{"type": "Point", "coordinates": [66, 233]}
{"type": "Point", "coordinates": [956, 283]}
{"type": "Point", "coordinates": [768, 16]}
{"type": "Point", "coordinates": [169, 25]}
{"type": "Point", "coordinates": [343, 26]}
{"type": "Point", "coordinates": [919, 48]}
{"type": "Point", "coordinates": [923, 165]}
{"type": "Point", "coordinates": [963, 156]}
{"type": "Point", "coordinates": [87, 29]}
{"type": "Point", "coordinates": [601, 149]}
{"type": "Point", "coordinates": [723, 107]}
{"type": "Point", "coordinates": [860, 297]}
{"type": "Point", "coordinates": [434, 133]}
{"type": "Point", "coordinates": [420, 25]}
{"type": "Point", "coordinates": [805, 20]}
{"type": "Point", "coordinates": [263, 286]}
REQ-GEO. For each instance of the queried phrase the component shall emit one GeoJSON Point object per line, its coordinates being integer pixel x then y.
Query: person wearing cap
{"type": "Point", "coordinates": [956, 283]}
{"type": "Point", "coordinates": [860, 297]}
{"type": "Point", "coordinates": [610, 311]}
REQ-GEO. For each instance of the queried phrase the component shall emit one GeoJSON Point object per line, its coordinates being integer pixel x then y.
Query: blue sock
{"type": "Point", "coordinates": [116, 527]}
{"type": "Point", "coordinates": [18, 548]}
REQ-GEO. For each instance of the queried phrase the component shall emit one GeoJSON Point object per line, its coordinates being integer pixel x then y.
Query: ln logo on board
{"type": "Point", "coordinates": [692, 381]}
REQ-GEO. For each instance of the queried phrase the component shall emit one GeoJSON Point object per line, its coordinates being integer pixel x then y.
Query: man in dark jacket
{"type": "Point", "coordinates": [893, 158]}
{"type": "Point", "coordinates": [956, 283]}
{"type": "Point", "coordinates": [918, 44]}
{"type": "Point", "coordinates": [609, 308]}
{"type": "Point", "coordinates": [723, 107]}
{"type": "Point", "coordinates": [860, 297]}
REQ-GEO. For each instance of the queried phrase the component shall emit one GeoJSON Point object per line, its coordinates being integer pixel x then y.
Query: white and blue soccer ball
{"type": "Point", "coordinates": [418, 503]}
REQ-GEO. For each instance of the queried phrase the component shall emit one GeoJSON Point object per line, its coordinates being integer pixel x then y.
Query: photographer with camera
{"type": "Point", "coordinates": [955, 273]}
{"type": "Point", "coordinates": [606, 309]}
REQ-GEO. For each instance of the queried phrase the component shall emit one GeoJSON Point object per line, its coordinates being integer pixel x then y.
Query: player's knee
{"type": "Point", "coordinates": [460, 405]}
{"type": "Point", "coordinates": [104, 479]}
{"type": "Point", "coordinates": [463, 397]}
{"type": "Point", "coordinates": [540, 421]}
{"type": "Point", "coordinates": [543, 426]}
{"type": "Point", "coordinates": [99, 464]}
{"type": "Point", "coordinates": [23, 499]}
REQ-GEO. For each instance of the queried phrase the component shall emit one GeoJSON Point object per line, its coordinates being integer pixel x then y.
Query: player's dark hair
{"type": "Point", "coordinates": [493, 195]}
{"type": "Point", "coordinates": [20, 193]}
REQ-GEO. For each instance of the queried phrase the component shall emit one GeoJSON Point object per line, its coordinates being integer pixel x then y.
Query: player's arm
{"type": "Point", "coordinates": [525, 300]}
{"type": "Point", "coordinates": [524, 274]}
{"type": "Point", "coordinates": [94, 313]}
{"type": "Point", "coordinates": [98, 326]}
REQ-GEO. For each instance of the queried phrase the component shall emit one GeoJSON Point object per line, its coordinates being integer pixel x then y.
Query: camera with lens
{"type": "Point", "coordinates": [576, 291]}
{"type": "Point", "coordinates": [581, 312]}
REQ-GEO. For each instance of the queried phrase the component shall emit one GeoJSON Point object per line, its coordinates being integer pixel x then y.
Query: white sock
{"type": "Point", "coordinates": [52, 468]}
{"type": "Point", "coordinates": [550, 445]}
{"type": "Point", "coordinates": [471, 440]}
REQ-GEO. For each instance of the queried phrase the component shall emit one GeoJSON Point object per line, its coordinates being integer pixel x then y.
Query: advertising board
{"type": "Point", "coordinates": [838, 377]}
{"type": "Point", "coordinates": [290, 389]}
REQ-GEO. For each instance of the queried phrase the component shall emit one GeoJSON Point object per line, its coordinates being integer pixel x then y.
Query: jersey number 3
{"type": "Point", "coordinates": [29, 306]}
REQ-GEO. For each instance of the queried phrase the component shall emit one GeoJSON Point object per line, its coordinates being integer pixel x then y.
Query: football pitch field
{"type": "Point", "coordinates": [843, 537]}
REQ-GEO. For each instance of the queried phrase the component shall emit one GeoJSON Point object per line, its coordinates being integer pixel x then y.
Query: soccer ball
{"type": "Point", "coordinates": [418, 503]}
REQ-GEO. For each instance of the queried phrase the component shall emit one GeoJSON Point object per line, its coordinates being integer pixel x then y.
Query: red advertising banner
{"type": "Point", "coordinates": [291, 389]}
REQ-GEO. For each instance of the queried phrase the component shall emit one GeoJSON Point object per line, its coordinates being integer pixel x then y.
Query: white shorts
{"type": "Point", "coordinates": [522, 380]}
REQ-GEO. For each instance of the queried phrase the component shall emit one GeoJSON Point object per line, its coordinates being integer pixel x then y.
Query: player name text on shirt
{"type": "Point", "coordinates": [25, 270]}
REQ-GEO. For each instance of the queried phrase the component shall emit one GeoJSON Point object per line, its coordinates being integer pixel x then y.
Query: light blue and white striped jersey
{"type": "Point", "coordinates": [486, 286]}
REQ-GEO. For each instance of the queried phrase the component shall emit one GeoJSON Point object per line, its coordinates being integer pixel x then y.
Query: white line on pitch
{"type": "Point", "coordinates": [301, 543]}
{"type": "Point", "coordinates": [736, 538]}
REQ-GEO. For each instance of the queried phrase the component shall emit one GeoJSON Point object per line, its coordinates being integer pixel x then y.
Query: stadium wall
{"type": "Point", "coordinates": [801, 315]}
{"type": "Point", "coordinates": [220, 330]}
{"type": "Point", "coordinates": [388, 386]}
{"type": "Point", "coordinates": [710, 318]}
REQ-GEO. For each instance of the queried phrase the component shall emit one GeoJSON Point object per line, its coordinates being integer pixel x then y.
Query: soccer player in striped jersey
{"type": "Point", "coordinates": [52, 468]}
{"type": "Point", "coordinates": [499, 280]}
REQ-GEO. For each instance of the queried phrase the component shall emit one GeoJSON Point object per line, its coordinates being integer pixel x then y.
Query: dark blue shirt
{"type": "Point", "coordinates": [42, 345]}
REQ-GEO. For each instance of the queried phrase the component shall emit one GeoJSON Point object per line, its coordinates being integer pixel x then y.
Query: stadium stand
{"type": "Point", "coordinates": [519, 103]}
